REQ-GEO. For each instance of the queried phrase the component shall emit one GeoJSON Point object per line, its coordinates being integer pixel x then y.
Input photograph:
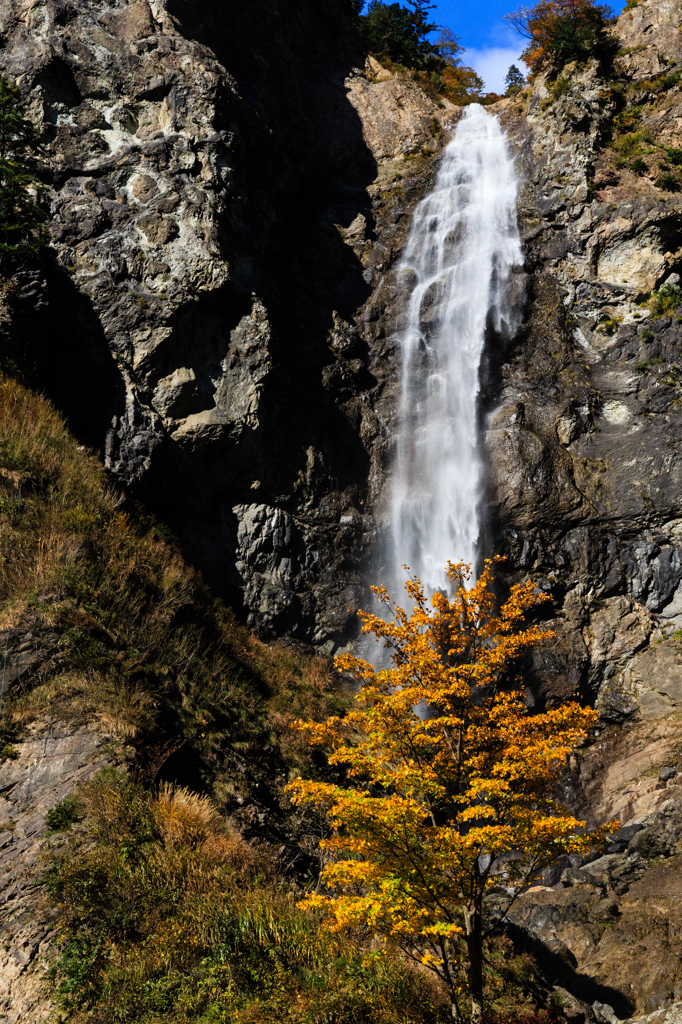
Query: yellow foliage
{"type": "Point", "coordinates": [453, 786]}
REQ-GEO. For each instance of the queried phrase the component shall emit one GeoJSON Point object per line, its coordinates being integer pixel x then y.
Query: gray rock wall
{"type": "Point", "coordinates": [223, 201]}
{"type": "Point", "coordinates": [584, 485]}
{"type": "Point", "coordinates": [230, 195]}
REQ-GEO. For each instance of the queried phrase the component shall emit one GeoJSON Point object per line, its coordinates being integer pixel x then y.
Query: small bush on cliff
{"type": "Point", "coordinates": [22, 219]}
{"type": "Point", "coordinates": [560, 31]}
{"type": "Point", "coordinates": [668, 182]}
{"type": "Point", "coordinates": [666, 300]}
{"type": "Point", "coordinates": [63, 815]}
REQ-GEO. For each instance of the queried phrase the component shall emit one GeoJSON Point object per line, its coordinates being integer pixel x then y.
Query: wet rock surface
{"type": "Point", "coordinates": [584, 486]}
{"type": "Point", "coordinates": [594, 503]}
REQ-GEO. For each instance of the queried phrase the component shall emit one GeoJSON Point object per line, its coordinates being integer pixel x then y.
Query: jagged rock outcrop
{"type": "Point", "coordinates": [223, 187]}
{"type": "Point", "coordinates": [611, 932]}
{"type": "Point", "coordinates": [584, 488]}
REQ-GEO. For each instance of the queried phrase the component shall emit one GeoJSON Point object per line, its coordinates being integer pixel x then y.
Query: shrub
{"type": "Point", "coordinates": [666, 300]}
{"type": "Point", "coordinates": [168, 915]}
{"type": "Point", "coordinates": [668, 182]}
{"type": "Point", "coordinates": [626, 120]}
{"type": "Point", "coordinates": [675, 156]}
{"type": "Point", "coordinates": [629, 145]}
{"type": "Point", "coordinates": [549, 1016]}
{"type": "Point", "coordinates": [62, 816]}
{"type": "Point", "coordinates": [560, 87]}
{"type": "Point", "coordinates": [639, 166]}
{"type": "Point", "coordinates": [659, 84]}
{"type": "Point", "coordinates": [560, 31]}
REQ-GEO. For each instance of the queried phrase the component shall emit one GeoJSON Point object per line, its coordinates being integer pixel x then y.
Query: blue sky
{"type": "Point", "coordinates": [491, 45]}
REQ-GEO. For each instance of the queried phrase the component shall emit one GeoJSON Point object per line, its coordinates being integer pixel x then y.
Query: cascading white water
{"type": "Point", "coordinates": [462, 246]}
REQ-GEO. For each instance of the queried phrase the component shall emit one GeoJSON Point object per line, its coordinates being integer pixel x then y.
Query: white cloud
{"type": "Point", "coordinates": [492, 64]}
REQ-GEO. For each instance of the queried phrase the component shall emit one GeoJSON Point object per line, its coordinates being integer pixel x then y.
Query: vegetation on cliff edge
{"type": "Point", "coordinates": [561, 31]}
{"type": "Point", "coordinates": [405, 40]}
{"type": "Point", "coordinates": [22, 217]}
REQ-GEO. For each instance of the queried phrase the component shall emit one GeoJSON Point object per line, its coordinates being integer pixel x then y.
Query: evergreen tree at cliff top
{"type": "Point", "coordinates": [22, 231]}
{"type": "Point", "coordinates": [514, 81]}
{"type": "Point", "coordinates": [394, 32]}
{"type": "Point", "coordinates": [398, 36]}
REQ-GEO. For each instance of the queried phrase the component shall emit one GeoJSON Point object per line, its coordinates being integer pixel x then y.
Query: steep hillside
{"type": "Point", "coordinates": [115, 653]}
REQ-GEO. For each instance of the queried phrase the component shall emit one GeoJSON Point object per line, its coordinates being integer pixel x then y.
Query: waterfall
{"type": "Point", "coordinates": [461, 248]}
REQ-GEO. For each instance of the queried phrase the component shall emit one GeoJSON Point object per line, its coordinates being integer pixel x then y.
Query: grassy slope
{"type": "Point", "coordinates": [164, 912]}
{"type": "Point", "coordinates": [143, 645]}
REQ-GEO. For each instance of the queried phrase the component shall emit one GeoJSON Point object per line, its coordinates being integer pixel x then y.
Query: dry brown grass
{"type": "Point", "coordinates": [122, 710]}
{"type": "Point", "coordinates": [184, 817]}
{"type": "Point", "coordinates": [187, 819]}
{"type": "Point", "coordinates": [300, 688]}
{"type": "Point", "coordinates": [44, 478]}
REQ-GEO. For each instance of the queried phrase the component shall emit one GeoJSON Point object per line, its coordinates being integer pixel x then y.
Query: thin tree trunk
{"type": "Point", "coordinates": [447, 963]}
{"type": "Point", "coordinates": [474, 938]}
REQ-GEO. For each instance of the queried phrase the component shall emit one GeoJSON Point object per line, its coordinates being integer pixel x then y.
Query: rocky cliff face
{"type": "Point", "coordinates": [583, 425]}
{"type": "Point", "coordinates": [223, 201]}
{"type": "Point", "coordinates": [585, 483]}
{"type": "Point", "coordinates": [583, 430]}
{"type": "Point", "coordinates": [218, 315]}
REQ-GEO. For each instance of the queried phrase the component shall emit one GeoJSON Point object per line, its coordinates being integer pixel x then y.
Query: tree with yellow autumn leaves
{"type": "Point", "coordinates": [452, 784]}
